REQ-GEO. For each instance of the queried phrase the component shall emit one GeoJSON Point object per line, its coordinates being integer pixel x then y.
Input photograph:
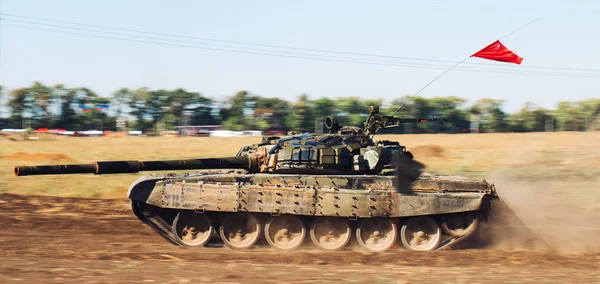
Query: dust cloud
{"type": "Point", "coordinates": [428, 151]}
{"type": "Point", "coordinates": [548, 214]}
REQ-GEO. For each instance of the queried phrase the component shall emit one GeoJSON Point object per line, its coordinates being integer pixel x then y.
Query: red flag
{"type": "Point", "coordinates": [497, 51]}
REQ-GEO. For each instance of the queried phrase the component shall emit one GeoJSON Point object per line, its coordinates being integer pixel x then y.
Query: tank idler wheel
{"type": "Point", "coordinates": [460, 225]}
{"type": "Point", "coordinates": [421, 233]}
{"type": "Point", "coordinates": [330, 233]}
{"type": "Point", "coordinates": [376, 234]}
{"type": "Point", "coordinates": [192, 229]}
{"type": "Point", "coordinates": [285, 232]}
{"type": "Point", "coordinates": [240, 230]}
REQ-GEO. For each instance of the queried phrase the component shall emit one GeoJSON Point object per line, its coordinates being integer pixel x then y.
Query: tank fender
{"type": "Point", "coordinates": [419, 204]}
{"type": "Point", "coordinates": [143, 189]}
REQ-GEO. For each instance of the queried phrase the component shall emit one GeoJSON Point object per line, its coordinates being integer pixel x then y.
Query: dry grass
{"type": "Point", "coordinates": [563, 157]}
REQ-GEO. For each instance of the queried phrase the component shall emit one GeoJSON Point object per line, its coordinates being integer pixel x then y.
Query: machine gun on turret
{"type": "Point", "coordinates": [375, 122]}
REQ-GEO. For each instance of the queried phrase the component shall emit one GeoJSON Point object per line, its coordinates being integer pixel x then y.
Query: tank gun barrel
{"type": "Point", "coordinates": [116, 167]}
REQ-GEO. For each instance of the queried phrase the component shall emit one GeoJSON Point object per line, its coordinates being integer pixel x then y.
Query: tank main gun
{"type": "Point", "coordinates": [117, 167]}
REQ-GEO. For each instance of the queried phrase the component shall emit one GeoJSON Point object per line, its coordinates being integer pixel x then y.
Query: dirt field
{"type": "Point", "coordinates": [59, 240]}
{"type": "Point", "coordinates": [549, 179]}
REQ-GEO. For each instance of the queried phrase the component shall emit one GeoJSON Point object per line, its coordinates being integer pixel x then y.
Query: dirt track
{"type": "Point", "coordinates": [58, 240]}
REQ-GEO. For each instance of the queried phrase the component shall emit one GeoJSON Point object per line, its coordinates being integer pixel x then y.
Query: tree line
{"type": "Point", "coordinates": [43, 106]}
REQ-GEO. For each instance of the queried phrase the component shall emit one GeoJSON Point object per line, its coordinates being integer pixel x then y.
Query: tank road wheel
{"type": "Point", "coordinates": [240, 230]}
{"type": "Point", "coordinates": [192, 229]}
{"type": "Point", "coordinates": [376, 234]}
{"type": "Point", "coordinates": [330, 233]}
{"type": "Point", "coordinates": [421, 233]}
{"type": "Point", "coordinates": [285, 232]}
{"type": "Point", "coordinates": [460, 225]}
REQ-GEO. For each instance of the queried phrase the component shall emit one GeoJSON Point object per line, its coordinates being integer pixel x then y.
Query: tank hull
{"type": "Point", "coordinates": [352, 198]}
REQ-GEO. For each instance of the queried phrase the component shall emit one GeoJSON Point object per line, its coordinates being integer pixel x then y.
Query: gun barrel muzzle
{"type": "Point", "coordinates": [55, 169]}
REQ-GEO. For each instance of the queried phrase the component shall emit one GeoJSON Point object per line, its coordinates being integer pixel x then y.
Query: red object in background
{"type": "Point", "coordinates": [497, 51]}
{"type": "Point", "coordinates": [275, 132]}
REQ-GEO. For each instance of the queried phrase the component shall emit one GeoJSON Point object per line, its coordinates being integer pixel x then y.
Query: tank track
{"type": "Point", "coordinates": [157, 224]}
{"type": "Point", "coordinates": [160, 223]}
{"type": "Point", "coordinates": [452, 241]}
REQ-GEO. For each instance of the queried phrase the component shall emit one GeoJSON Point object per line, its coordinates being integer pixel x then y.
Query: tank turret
{"type": "Point", "coordinates": [343, 150]}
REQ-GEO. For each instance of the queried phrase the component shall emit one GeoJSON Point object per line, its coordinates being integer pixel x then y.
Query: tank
{"type": "Point", "coordinates": [328, 188]}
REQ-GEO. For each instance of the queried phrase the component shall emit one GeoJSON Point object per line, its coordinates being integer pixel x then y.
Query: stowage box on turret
{"type": "Point", "coordinates": [326, 187]}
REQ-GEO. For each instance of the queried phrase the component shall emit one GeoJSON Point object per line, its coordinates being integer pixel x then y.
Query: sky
{"type": "Point", "coordinates": [565, 35]}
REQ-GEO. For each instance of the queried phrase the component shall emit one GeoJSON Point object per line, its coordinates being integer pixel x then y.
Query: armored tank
{"type": "Point", "coordinates": [327, 187]}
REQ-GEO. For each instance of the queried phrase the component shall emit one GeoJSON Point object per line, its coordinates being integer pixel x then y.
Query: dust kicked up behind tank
{"type": "Point", "coordinates": [327, 187]}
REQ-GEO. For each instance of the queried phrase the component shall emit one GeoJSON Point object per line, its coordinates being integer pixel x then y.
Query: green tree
{"type": "Point", "coordinates": [238, 114]}
{"type": "Point", "coordinates": [30, 106]}
{"type": "Point", "coordinates": [202, 110]}
{"type": "Point", "coordinates": [417, 107]}
{"type": "Point", "coordinates": [134, 103]}
{"type": "Point", "coordinates": [43, 100]}
{"type": "Point", "coordinates": [120, 101]}
{"type": "Point", "coordinates": [20, 105]}
{"type": "Point", "coordinates": [488, 113]}
{"type": "Point", "coordinates": [324, 107]}
{"type": "Point", "coordinates": [3, 121]}
{"type": "Point", "coordinates": [531, 118]}
{"type": "Point", "coordinates": [451, 109]}
{"type": "Point", "coordinates": [157, 107]}
{"type": "Point", "coordinates": [590, 109]}
{"type": "Point", "coordinates": [270, 113]}
{"type": "Point", "coordinates": [84, 101]}
{"type": "Point", "coordinates": [163, 109]}
{"type": "Point", "coordinates": [498, 120]}
{"type": "Point", "coordinates": [303, 115]}
{"type": "Point", "coordinates": [66, 100]}
{"type": "Point", "coordinates": [353, 111]}
{"type": "Point", "coordinates": [578, 116]}
{"type": "Point", "coordinates": [100, 119]}
{"type": "Point", "coordinates": [137, 102]}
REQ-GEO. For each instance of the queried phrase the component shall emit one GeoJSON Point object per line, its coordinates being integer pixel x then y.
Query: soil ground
{"type": "Point", "coordinates": [68, 240]}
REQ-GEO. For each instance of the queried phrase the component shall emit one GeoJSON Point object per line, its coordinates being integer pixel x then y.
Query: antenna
{"type": "Point", "coordinates": [431, 82]}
